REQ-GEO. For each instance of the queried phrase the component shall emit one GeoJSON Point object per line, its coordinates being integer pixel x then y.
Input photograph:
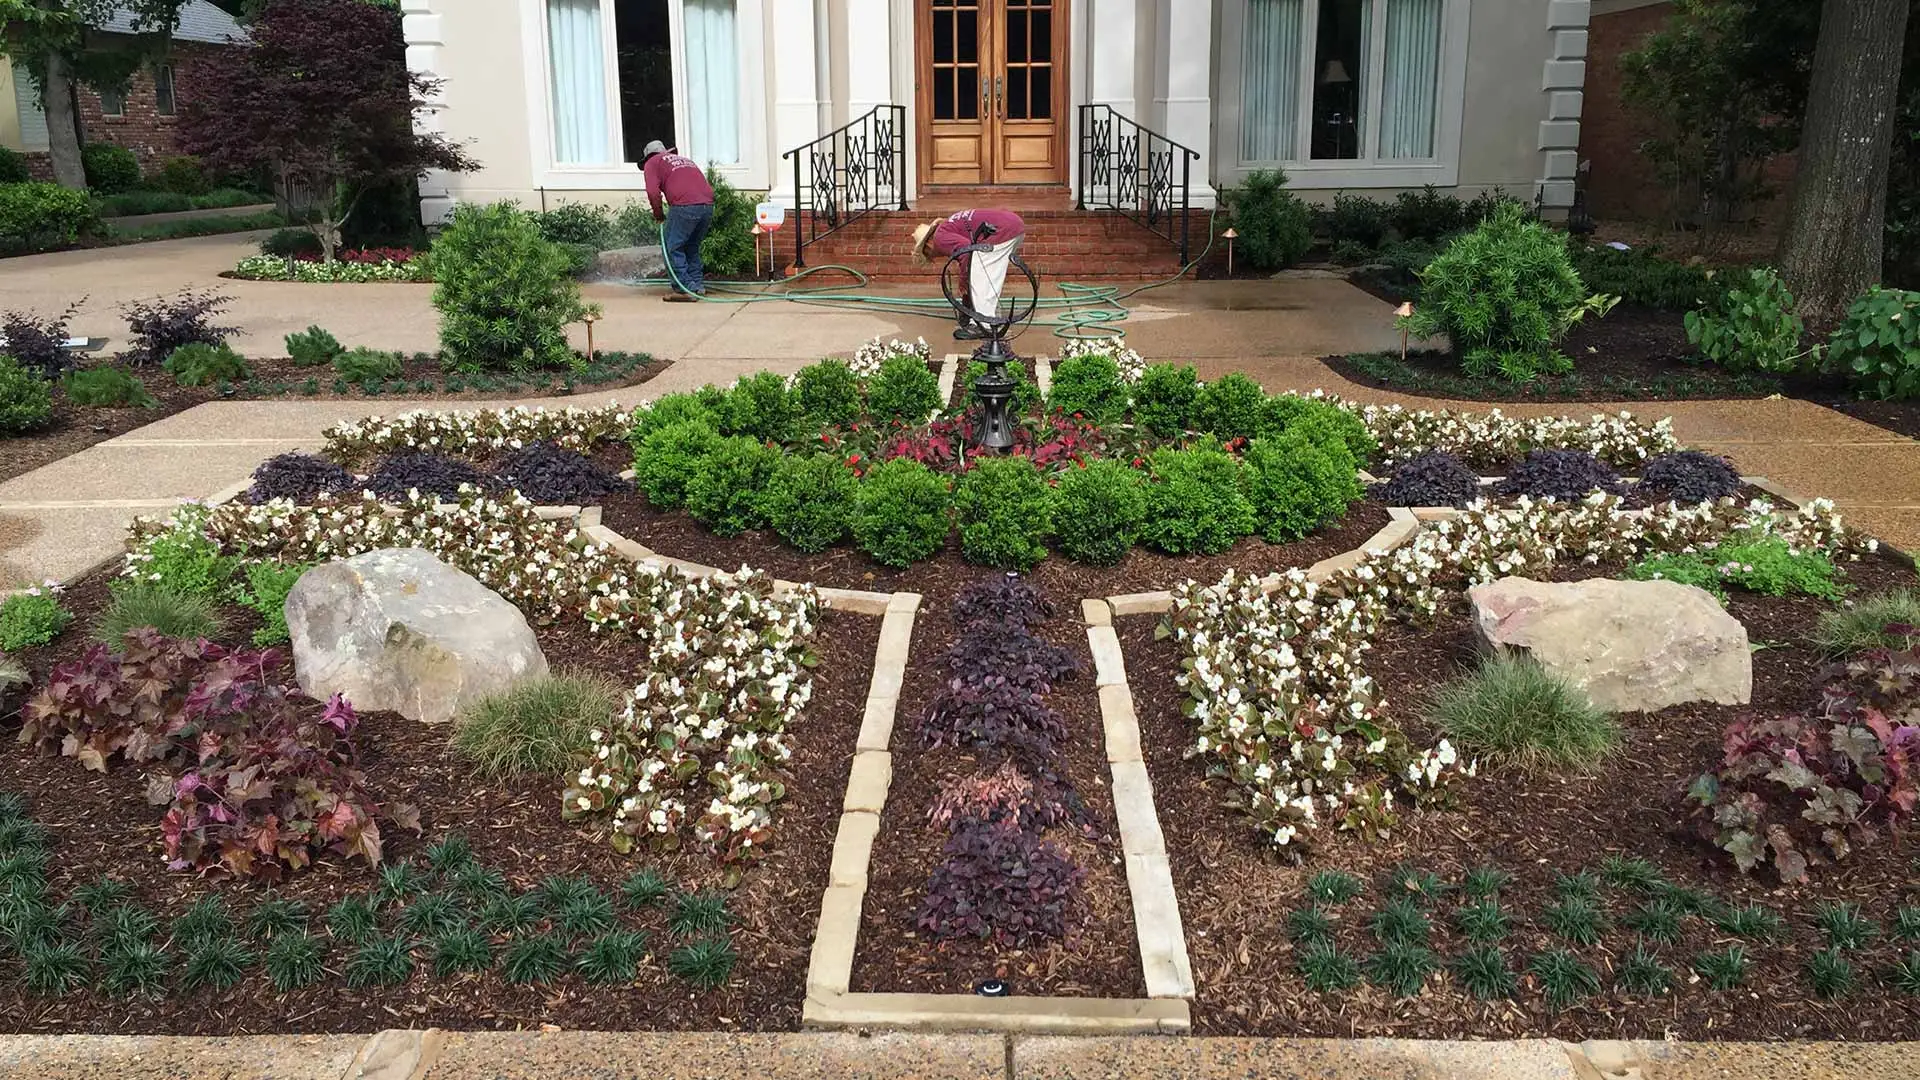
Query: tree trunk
{"type": "Point", "coordinates": [1830, 252]}
{"type": "Point", "coordinates": [63, 129]}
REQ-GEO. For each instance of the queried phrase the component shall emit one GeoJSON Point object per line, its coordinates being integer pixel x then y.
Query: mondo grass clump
{"type": "Point", "coordinates": [706, 964]}
{"type": "Point", "coordinates": [539, 727]}
{"type": "Point", "coordinates": [1326, 969]}
{"type": "Point", "coordinates": [1564, 978]}
{"type": "Point", "coordinates": [1642, 974]}
{"type": "Point", "coordinates": [1483, 970]}
{"type": "Point", "coordinates": [1513, 711]}
{"type": "Point", "coordinates": [1309, 925]}
{"type": "Point", "coordinates": [169, 611]}
{"type": "Point", "coordinates": [1334, 886]}
{"type": "Point", "coordinates": [1888, 620]}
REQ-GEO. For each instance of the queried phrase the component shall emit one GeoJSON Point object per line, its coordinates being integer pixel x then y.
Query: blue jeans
{"type": "Point", "coordinates": [686, 228]}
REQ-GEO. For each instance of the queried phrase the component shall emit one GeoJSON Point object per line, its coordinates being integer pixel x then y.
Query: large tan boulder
{"type": "Point", "coordinates": [1631, 645]}
{"type": "Point", "coordinates": [399, 629]}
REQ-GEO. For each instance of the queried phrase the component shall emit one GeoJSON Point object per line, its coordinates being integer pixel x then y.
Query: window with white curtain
{"type": "Point", "coordinates": [1340, 80]}
{"type": "Point", "coordinates": [616, 76]}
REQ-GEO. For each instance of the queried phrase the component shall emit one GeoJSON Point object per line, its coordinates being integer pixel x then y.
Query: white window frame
{"type": "Point", "coordinates": [1440, 170]}
{"type": "Point", "coordinates": [119, 113]}
{"type": "Point", "coordinates": [749, 173]}
{"type": "Point", "coordinates": [164, 75]}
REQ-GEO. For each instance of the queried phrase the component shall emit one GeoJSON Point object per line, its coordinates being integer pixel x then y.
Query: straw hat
{"type": "Point", "coordinates": [920, 235]}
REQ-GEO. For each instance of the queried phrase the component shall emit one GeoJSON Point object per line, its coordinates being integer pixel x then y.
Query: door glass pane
{"type": "Point", "coordinates": [943, 37]}
{"type": "Point", "coordinates": [943, 108]}
{"type": "Point", "coordinates": [1410, 79]}
{"type": "Point", "coordinates": [1041, 101]}
{"type": "Point", "coordinates": [1339, 78]}
{"type": "Point", "coordinates": [969, 36]}
{"type": "Point", "coordinates": [1016, 36]}
{"type": "Point", "coordinates": [1270, 54]}
{"type": "Point", "coordinates": [1042, 35]}
{"type": "Point", "coordinates": [969, 93]}
{"type": "Point", "coordinates": [643, 51]}
{"type": "Point", "coordinates": [1017, 94]}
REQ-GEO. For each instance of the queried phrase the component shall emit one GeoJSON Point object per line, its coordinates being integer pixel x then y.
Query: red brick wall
{"type": "Point", "coordinates": [1620, 182]}
{"type": "Point", "coordinates": [140, 128]}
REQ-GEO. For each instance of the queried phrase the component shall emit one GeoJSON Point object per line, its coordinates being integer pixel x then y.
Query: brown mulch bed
{"type": "Point", "coordinates": [77, 427]}
{"type": "Point", "coordinates": [1101, 956]}
{"type": "Point", "coordinates": [1633, 354]}
{"type": "Point", "coordinates": [101, 824]}
{"type": "Point", "coordinates": [1235, 892]}
{"type": "Point", "coordinates": [939, 579]}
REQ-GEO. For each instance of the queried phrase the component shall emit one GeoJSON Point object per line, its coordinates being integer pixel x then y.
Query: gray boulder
{"type": "Point", "coordinates": [399, 629]}
{"type": "Point", "coordinates": [627, 264]}
{"type": "Point", "coordinates": [1631, 645]}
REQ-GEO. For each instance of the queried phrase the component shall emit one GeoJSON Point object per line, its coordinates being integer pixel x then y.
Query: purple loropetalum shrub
{"type": "Point", "coordinates": [1690, 476]}
{"type": "Point", "coordinates": [298, 477]}
{"type": "Point", "coordinates": [1000, 882]}
{"type": "Point", "coordinates": [1005, 793]}
{"type": "Point", "coordinates": [36, 343]}
{"type": "Point", "coordinates": [427, 473]}
{"type": "Point", "coordinates": [1008, 598]}
{"type": "Point", "coordinates": [256, 779]}
{"type": "Point", "coordinates": [548, 474]}
{"type": "Point", "coordinates": [1795, 790]}
{"type": "Point", "coordinates": [1431, 479]}
{"type": "Point", "coordinates": [161, 325]}
{"type": "Point", "coordinates": [1560, 474]}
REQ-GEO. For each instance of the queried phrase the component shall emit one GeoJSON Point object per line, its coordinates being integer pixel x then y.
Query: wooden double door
{"type": "Point", "coordinates": [991, 90]}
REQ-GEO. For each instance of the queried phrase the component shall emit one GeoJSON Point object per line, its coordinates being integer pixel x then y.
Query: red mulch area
{"type": "Point", "coordinates": [76, 427]}
{"type": "Point", "coordinates": [939, 579]}
{"type": "Point", "coordinates": [1101, 956]}
{"type": "Point", "coordinates": [1235, 892]}
{"type": "Point", "coordinates": [101, 824]}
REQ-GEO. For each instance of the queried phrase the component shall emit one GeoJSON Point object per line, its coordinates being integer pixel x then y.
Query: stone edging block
{"type": "Point", "coordinates": [1043, 375]}
{"type": "Point", "coordinates": [1096, 612]}
{"type": "Point", "coordinates": [949, 373]}
{"type": "Point", "coordinates": [1018, 1015]}
{"type": "Point", "coordinates": [1108, 668]}
{"type": "Point", "coordinates": [853, 848]}
{"type": "Point", "coordinates": [867, 781]}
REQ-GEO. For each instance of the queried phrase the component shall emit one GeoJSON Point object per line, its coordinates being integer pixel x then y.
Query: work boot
{"type": "Point", "coordinates": [971, 332]}
{"type": "Point", "coordinates": [679, 298]}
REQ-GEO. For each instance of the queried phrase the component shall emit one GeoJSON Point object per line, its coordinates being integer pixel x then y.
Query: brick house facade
{"type": "Point", "coordinates": [1621, 184]}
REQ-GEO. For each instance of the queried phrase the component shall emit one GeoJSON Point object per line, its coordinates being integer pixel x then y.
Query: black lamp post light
{"type": "Point", "coordinates": [995, 388]}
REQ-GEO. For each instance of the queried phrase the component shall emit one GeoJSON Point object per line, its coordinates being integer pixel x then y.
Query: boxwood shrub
{"type": "Point", "coordinates": [726, 487]}
{"type": "Point", "coordinates": [900, 512]}
{"type": "Point", "coordinates": [809, 500]}
{"type": "Point", "coordinates": [827, 394]}
{"type": "Point", "coordinates": [1195, 502]}
{"type": "Point", "coordinates": [668, 459]}
{"type": "Point", "coordinates": [1298, 481]}
{"type": "Point", "coordinates": [1005, 511]}
{"type": "Point", "coordinates": [1089, 385]}
{"type": "Point", "coordinates": [1098, 511]}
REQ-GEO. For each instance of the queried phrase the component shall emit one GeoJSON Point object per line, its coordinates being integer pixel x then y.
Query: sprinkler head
{"type": "Point", "coordinates": [992, 988]}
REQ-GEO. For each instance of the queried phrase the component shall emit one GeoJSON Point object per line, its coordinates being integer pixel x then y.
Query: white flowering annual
{"type": "Point", "coordinates": [476, 431]}
{"type": "Point", "coordinates": [868, 358]}
{"type": "Point", "coordinates": [702, 740]}
{"type": "Point", "coordinates": [1494, 438]}
{"type": "Point", "coordinates": [1277, 686]}
{"type": "Point", "coordinates": [1131, 364]}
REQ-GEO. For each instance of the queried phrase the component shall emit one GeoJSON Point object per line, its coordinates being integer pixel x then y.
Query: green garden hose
{"type": "Point", "coordinates": [1089, 312]}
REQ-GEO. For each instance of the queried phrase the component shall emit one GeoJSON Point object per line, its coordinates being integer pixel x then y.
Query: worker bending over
{"type": "Point", "coordinates": [689, 212]}
{"type": "Point", "coordinates": [983, 273]}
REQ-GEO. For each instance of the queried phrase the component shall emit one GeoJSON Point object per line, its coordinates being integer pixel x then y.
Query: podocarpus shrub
{"type": "Point", "coordinates": [1275, 227]}
{"type": "Point", "coordinates": [1640, 276]}
{"type": "Point", "coordinates": [1878, 346]}
{"type": "Point", "coordinates": [1163, 399]}
{"type": "Point", "coordinates": [900, 512]}
{"type": "Point", "coordinates": [106, 388]}
{"type": "Point", "coordinates": [110, 169]}
{"type": "Point", "coordinates": [760, 407]}
{"type": "Point", "coordinates": [266, 780]}
{"type": "Point", "coordinates": [1089, 386]}
{"type": "Point", "coordinates": [1005, 512]}
{"type": "Point", "coordinates": [1195, 502]}
{"type": "Point", "coordinates": [809, 500]}
{"type": "Point", "coordinates": [26, 400]}
{"type": "Point", "coordinates": [1503, 295]}
{"type": "Point", "coordinates": [1230, 407]}
{"type": "Point", "coordinates": [668, 459]}
{"type": "Point", "coordinates": [726, 488]}
{"type": "Point", "coordinates": [903, 390]}
{"type": "Point", "coordinates": [313, 347]}
{"type": "Point", "coordinates": [1754, 326]}
{"type": "Point", "coordinates": [1098, 511]}
{"type": "Point", "coordinates": [367, 365]}
{"type": "Point", "coordinates": [505, 296]}
{"type": "Point", "coordinates": [827, 394]}
{"type": "Point", "coordinates": [204, 365]}
{"type": "Point", "coordinates": [1298, 481]}
{"type": "Point", "coordinates": [37, 217]}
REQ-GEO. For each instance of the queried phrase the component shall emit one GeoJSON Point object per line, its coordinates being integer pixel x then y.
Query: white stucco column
{"type": "Point", "coordinates": [420, 28]}
{"type": "Point", "coordinates": [1112, 52]}
{"type": "Point", "coordinates": [869, 51]}
{"type": "Point", "coordinates": [796, 104]}
{"type": "Point", "coordinates": [1189, 93]}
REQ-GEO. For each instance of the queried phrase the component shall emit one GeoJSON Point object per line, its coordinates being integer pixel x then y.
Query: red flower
{"type": "Point", "coordinates": [854, 460]}
{"type": "Point", "coordinates": [1138, 462]}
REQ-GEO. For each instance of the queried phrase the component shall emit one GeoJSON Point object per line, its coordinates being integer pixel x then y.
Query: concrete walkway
{"type": "Point", "coordinates": [439, 1055]}
{"type": "Point", "coordinates": [59, 520]}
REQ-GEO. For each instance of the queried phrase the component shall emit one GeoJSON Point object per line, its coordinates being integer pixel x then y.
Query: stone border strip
{"type": "Point", "coordinates": [1043, 375]}
{"type": "Point", "coordinates": [1156, 907]}
{"type": "Point", "coordinates": [949, 374]}
{"type": "Point", "coordinates": [830, 1001]}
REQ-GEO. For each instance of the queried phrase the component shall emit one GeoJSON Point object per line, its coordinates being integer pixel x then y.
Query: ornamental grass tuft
{"type": "Point", "coordinates": [1511, 710]}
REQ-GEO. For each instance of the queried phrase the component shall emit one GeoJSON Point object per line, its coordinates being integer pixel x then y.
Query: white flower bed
{"type": "Point", "coordinates": [477, 431]}
{"type": "Point", "coordinates": [1277, 687]}
{"type": "Point", "coordinates": [868, 358]}
{"type": "Point", "coordinates": [1494, 437]}
{"type": "Point", "coordinates": [275, 268]}
{"type": "Point", "coordinates": [697, 752]}
{"type": "Point", "coordinates": [1131, 363]}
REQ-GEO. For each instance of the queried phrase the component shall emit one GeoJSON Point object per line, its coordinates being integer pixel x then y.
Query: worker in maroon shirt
{"type": "Point", "coordinates": [983, 272]}
{"type": "Point", "coordinates": [689, 213]}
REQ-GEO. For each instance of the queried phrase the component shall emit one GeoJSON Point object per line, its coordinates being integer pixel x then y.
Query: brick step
{"type": "Point", "coordinates": [900, 268]}
{"type": "Point", "coordinates": [1089, 247]}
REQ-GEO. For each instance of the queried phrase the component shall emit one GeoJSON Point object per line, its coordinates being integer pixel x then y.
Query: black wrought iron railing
{"type": "Point", "coordinates": [848, 173]}
{"type": "Point", "coordinates": [1136, 172]}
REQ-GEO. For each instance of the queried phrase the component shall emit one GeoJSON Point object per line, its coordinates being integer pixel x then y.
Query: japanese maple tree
{"type": "Point", "coordinates": [325, 102]}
